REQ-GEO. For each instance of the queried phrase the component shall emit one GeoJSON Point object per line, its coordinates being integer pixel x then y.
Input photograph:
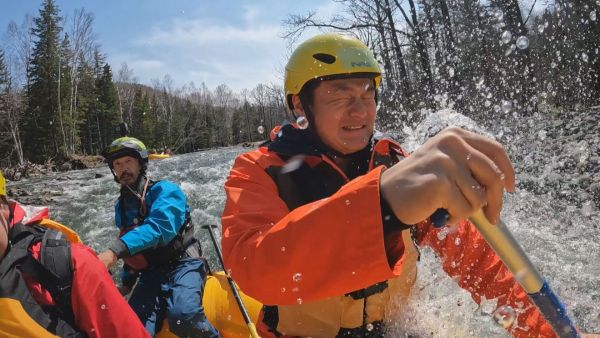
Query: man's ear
{"type": "Point", "coordinates": [298, 108]}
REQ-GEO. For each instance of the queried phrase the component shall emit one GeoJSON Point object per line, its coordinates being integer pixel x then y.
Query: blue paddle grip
{"type": "Point", "coordinates": [554, 312]}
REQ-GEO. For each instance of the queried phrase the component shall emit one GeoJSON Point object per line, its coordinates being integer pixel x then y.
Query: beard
{"type": "Point", "coordinates": [127, 178]}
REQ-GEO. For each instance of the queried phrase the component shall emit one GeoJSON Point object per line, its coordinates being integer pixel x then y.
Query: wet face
{"type": "Point", "coordinates": [4, 216]}
{"type": "Point", "coordinates": [344, 112]}
{"type": "Point", "coordinates": [127, 169]}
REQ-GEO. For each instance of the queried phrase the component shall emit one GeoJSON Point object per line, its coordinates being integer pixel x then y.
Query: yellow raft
{"type": "Point", "coordinates": [158, 156]}
{"type": "Point", "coordinates": [222, 310]}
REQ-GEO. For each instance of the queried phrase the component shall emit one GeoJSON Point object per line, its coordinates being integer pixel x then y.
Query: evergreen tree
{"type": "Point", "coordinates": [67, 122]}
{"type": "Point", "coordinates": [141, 106]}
{"type": "Point", "coordinates": [40, 129]}
{"type": "Point", "coordinates": [108, 110]}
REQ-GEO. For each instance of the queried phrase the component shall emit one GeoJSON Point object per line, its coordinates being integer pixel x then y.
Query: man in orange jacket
{"type": "Point", "coordinates": [322, 223]}
{"type": "Point", "coordinates": [51, 285]}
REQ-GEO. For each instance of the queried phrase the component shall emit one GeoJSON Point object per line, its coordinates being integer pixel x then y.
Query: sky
{"type": "Point", "coordinates": [234, 42]}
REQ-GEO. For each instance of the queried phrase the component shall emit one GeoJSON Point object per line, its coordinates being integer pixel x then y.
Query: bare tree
{"type": "Point", "coordinates": [11, 107]}
{"type": "Point", "coordinates": [125, 92]}
{"type": "Point", "coordinates": [82, 51]}
{"type": "Point", "coordinates": [20, 42]}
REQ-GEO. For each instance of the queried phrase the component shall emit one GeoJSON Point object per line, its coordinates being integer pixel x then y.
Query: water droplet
{"type": "Point", "coordinates": [297, 277]}
{"type": "Point", "coordinates": [588, 208]}
{"type": "Point", "coordinates": [441, 235]}
{"type": "Point", "coordinates": [593, 15]}
{"type": "Point", "coordinates": [282, 290]}
{"type": "Point", "coordinates": [522, 42]}
{"type": "Point", "coordinates": [469, 155]}
{"type": "Point", "coordinates": [584, 57]}
{"type": "Point", "coordinates": [510, 49]}
{"type": "Point", "coordinates": [295, 289]}
{"type": "Point", "coordinates": [502, 177]}
{"type": "Point", "coordinates": [302, 122]}
{"type": "Point", "coordinates": [542, 135]}
{"type": "Point", "coordinates": [178, 322]}
{"type": "Point", "coordinates": [506, 106]}
{"type": "Point", "coordinates": [299, 300]}
{"type": "Point", "coordinates": [228, 317]}
{"type": "Point", "coordinates": [369, 327]}
{"type": "Point", "coordinates": [293, 164]}
{"type": "Point", "coordinates": [480, 82]}
{"type": "Point", "coordinates": [450, 71]}
{"type": "Point", "coordinates": [353, 273]}
{"type": "Point", "coordinates": [347, 202]}
{"type": "Point", "coordinates": [283, 249]}
{"type": "Point", "coordinates": [499, 15]}
{"type": "Point", "coordinates": [457, 241]}
{"type": "Point", "coordinates": [506, 36]}
{"type": "Point", "coordinates": [260, 129]}
{"type": "Point", "coordinates": [541, 28]}
{"type": "Point", "coordinates": [103, 306]}
{"type": "Point", "coordinates": [504, 316]}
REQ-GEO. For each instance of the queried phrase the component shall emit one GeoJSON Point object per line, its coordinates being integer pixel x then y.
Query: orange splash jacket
{"type": "Point", "coordinates": [312, 243]}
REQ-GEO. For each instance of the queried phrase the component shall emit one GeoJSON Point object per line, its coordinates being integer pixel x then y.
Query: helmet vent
{"type": "Point", "coordinates": [325, 58]}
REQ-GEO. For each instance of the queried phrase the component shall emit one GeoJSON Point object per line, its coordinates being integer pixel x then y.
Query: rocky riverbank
{"type": "Point", "coordinates": [32, 170]}
{"type": "Point", "coordinates": [59, 164]}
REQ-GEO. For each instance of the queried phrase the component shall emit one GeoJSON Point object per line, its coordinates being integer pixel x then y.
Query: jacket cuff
{"type": "Point", "coordinates": [119, 248]}
{"type": "Point", "coordinates": [390, 222]}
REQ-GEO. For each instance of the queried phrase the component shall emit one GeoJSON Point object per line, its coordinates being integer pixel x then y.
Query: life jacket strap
{"type": "Point", "coordinates": [54, 271]}
{"type": "Point", "coordinates": [369, 291]}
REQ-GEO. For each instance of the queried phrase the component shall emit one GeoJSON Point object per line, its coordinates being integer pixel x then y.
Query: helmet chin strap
{"type": "Point", "coordinates": [141, 186]}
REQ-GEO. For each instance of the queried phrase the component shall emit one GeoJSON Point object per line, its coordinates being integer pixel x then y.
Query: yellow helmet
{"type": "Point", "coordinates": [2, 184]}
{"type": "Point", "coordinates": [328, 55]}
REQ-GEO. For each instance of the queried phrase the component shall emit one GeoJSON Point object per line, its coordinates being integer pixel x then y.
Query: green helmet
{"type": "Point", "coordinates": [328, 56]}
{"type": "Point", "coordinates": [126, 146]}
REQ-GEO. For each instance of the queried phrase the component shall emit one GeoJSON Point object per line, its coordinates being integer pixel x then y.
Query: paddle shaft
{"type": "Point", "coordinates": [236, 294]}
{"type": "Point", "coordinates": [510, 252]}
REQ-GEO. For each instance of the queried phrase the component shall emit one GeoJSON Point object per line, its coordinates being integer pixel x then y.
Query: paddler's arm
{"type": "Point", "coordinates": [99, 308]}
{"type": "Point", "coordinates": [329, 247]}
{"type": "Point", "coordinates": [165, 218]}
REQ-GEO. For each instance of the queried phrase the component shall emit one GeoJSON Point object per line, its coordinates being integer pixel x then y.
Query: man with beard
{"type": "Point", "coordinates": [157, 245]}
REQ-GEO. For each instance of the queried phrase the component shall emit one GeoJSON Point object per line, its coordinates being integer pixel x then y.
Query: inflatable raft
{"type": "Point", "coordinates": [158, 156]}
{"type": "Point", "coordinates": [222, 310]}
